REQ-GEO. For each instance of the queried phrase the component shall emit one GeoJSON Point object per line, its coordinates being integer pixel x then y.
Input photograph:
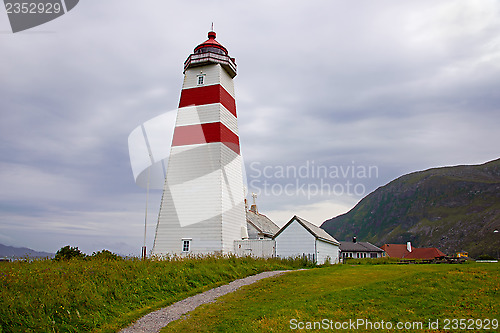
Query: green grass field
{"type": "Point", "coordinates": [101, 295]}
{"type": "Point", "coordinates": [413, 295]}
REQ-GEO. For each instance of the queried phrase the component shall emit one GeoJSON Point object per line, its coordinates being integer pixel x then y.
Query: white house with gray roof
{"type": "Point", "coordinates": [259, 226]}
{"type": "Point", "coordinates": [301, 238]}
{"type": "Point", "coordinates": [357, 250]}
{"type": "Point", "coordinates": [261, 231]}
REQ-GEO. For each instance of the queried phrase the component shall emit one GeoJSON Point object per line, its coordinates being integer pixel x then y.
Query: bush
{"type": "Point", "coordinates": [67, 253]}
{"type": "Point", "coordinates": [485, 257]}
{"type": "Point", "coordinates": [370, 261]}
{"type": "Point", "coordinates": [105, 255]}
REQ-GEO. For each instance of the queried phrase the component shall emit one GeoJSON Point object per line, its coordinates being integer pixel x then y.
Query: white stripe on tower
{"type": "Point", "coordinates": [209, 113]}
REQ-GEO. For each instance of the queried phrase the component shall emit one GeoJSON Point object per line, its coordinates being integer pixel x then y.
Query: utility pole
{"type": "Point", "coordinates": [144, 255]}
{"type": "Point", "coordinates": [496, 233]}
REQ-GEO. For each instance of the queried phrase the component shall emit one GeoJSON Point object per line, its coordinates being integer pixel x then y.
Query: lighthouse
{"type": "Point", "coordinates": [202, 209]}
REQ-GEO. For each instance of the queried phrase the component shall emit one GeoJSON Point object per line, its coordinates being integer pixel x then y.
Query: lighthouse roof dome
{"type": "Point", "coordinates": [211, 45]}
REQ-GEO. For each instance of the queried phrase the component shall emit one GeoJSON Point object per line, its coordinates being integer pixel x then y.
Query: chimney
{"type": "Point", "coordinates": [408, 246]}
{"type": "Point", "coordinates": [253, 208]}
{"type": "Point", "coordinates": [354, 239]}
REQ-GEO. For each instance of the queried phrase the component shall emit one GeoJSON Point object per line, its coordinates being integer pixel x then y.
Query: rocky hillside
{"type": "Point", "coordinates": [451, 208]}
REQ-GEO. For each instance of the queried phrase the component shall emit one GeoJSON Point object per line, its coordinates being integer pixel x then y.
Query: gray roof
{"type": "Point", "coordinates": [359, 247]}
{"type": "Point", "coordinates": [262, 223]}
{"type": "Point", "coordinates": [314, 230]}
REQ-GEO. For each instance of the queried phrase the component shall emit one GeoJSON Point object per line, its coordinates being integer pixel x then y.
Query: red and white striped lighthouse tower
{"type": "Point", "coordinates": [202, 210]}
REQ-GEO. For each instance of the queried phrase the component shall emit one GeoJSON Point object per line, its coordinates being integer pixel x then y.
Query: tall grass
{"type": "Point", "coordinates": [103, 295]}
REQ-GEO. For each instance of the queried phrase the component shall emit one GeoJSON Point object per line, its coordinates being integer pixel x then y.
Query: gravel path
{"type": "Point", "coordinates": [155, 321]}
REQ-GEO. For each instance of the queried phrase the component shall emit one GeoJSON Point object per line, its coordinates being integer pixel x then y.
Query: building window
{"type": "Point", "coordinates": [186, 244]}
{"type": "Point", "coordinates": [201, 80]}
{"type": "Point", "coordinates": [373, 255]}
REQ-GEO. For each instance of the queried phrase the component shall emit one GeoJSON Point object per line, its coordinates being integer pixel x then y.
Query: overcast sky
{"type": "Point", "coordinates": [324, 88]}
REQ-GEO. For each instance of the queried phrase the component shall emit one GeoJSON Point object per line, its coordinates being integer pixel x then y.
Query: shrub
{"type": "Point", "coordinates": [485, 257]}
{"type": "Point", "coordinates": [67, 253]}
{"type": "Point", "coordinates": [370, 261]}
{"type": "Point", "coordinates": [105, 255]}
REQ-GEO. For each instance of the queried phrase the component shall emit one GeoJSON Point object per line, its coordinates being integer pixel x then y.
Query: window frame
{"type": "Point", "coordinates": [186, 241]}
{"type": "Point", "coordinates": [200, 77]}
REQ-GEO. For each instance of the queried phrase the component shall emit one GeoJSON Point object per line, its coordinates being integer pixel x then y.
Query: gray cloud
{"type": "Point", "coordinates": [400, 85]}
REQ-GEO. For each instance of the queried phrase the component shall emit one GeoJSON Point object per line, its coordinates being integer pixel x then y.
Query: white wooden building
{"type": "Point", "coordinates": [358, 250]}
{"type": "Point", "coordinates": [260, 226]}
{"type": "Point", "coordinates": [301, 238]}
{"type": "Point", "coordinates": [261, 231]}
{"type": "Point", "coordinates": [259, 248]}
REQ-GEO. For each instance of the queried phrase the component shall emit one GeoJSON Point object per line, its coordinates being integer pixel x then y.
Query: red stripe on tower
{"type": "Point", "coordinates": [206, 133]}
{"type": "Point", "coordinates": [208, 95]}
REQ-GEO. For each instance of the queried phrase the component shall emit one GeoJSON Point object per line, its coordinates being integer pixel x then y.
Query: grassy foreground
{"type": "Point", "coordinates": [409, 294]}
{"type": "Point", "coordinates": [101, 295]}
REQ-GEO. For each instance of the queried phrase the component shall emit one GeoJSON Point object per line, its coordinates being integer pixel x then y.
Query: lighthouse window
{"type": "Point", "coordinates": [201, 79]}
{"type": "Point", "coordinates": [186, 245]}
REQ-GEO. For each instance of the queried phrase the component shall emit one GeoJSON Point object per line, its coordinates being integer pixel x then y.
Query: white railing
{"type": "Point", "coordinates": [195, 59]}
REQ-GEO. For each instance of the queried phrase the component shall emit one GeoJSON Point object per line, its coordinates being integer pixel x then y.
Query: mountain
{"type": "Point", "coordinates": [451, 208]}
{"type": "Point", "coordinates": [18, 252]}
